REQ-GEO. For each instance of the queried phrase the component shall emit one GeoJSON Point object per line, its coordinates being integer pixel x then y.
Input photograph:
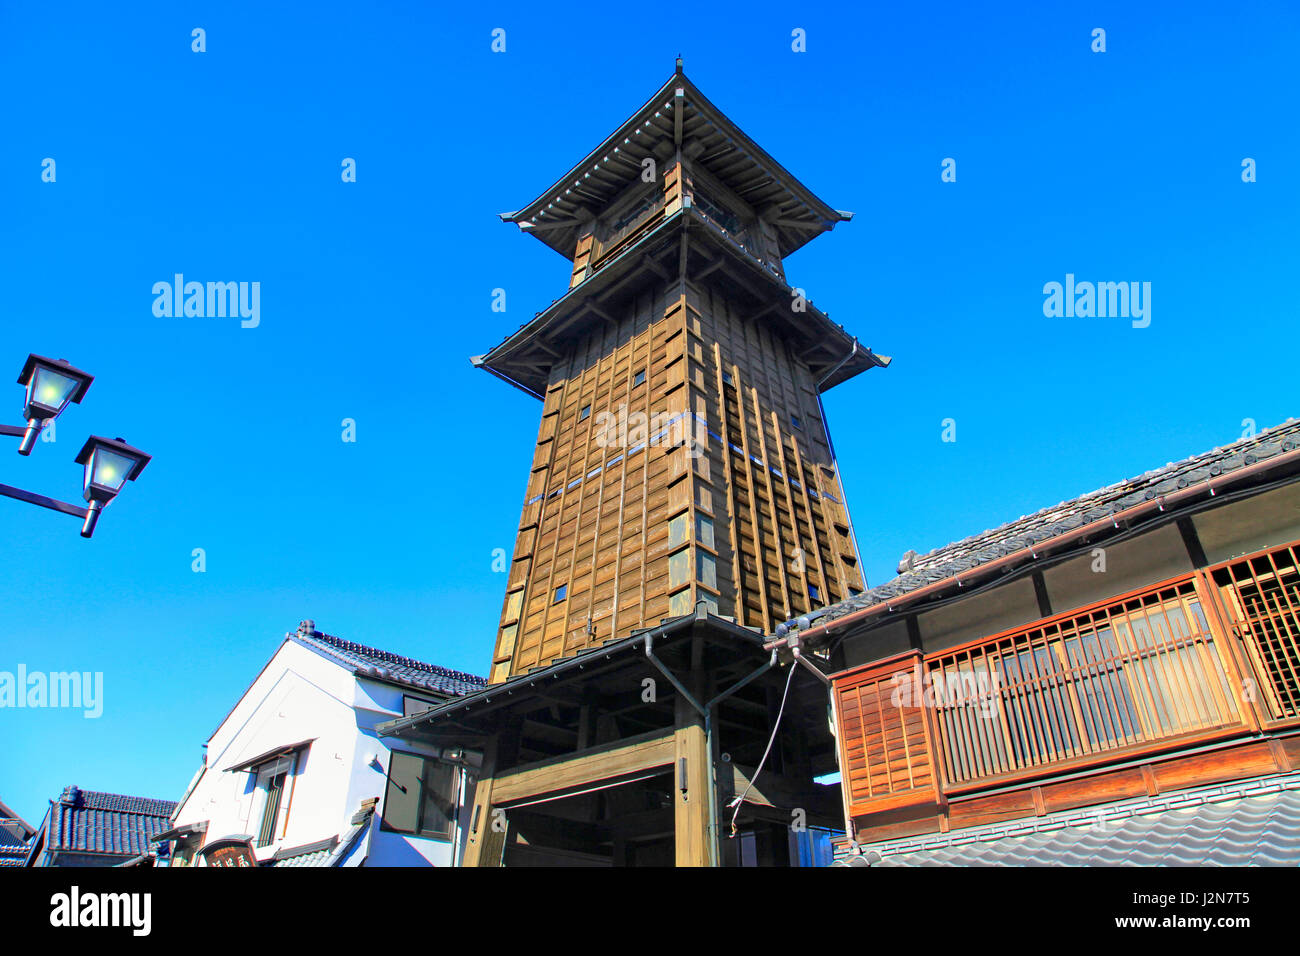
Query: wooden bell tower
{"type": "Point", "coordinates": [683, 455]}
{"type": "Point", "coordinates": [683, 499]}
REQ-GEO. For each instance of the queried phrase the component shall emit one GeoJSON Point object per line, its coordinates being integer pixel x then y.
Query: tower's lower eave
{"type": "Point", "coordinates": [641, 751]}
{"type": "Point", "coordinates": [686, 246]}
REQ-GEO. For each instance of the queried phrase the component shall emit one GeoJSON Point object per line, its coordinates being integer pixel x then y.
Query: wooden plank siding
{"type": "Point", "coordinates": [1143, 692]}
{"type": "Point", "coordinates": [763, 520]}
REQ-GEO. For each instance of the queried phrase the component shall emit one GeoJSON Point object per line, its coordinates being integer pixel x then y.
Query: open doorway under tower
{"type": "Point", "coordinates": [620, 823]}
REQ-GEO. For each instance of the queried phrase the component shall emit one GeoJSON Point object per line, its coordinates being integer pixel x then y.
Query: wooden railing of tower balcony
{"type": "Point", "coordinates": [724, 219]}
{"type": "Point", "coordinates": [628, 228]}
{"type": "Point", "coordinates": [631, 226]}
{"type": "Point", "coordinates": [729, 225]}
{"type": "Point", "coordinates": [1201, 658]}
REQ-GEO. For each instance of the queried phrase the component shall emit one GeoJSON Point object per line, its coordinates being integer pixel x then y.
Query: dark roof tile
{"type": "Point", "coordinates": [89, 821]}
{"type": "Point", "coordinates": [1043, 525]}
{"type": "Point", "coordinates": [382, 665]}
{"type": "Point", "coordinates": [1253, 823]}
{"type": "Point", "coordinates": [13, 854]}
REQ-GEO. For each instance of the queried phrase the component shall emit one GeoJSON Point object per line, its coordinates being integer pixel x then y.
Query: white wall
{"type": "Point", "coordinates": [1252, 524]}
{"type": "Point", "coordinates": [300, 695]}
{"type": "Point", "coordinates": [374, 704]}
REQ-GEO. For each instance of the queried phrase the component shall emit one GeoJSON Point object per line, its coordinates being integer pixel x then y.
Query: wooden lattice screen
{"type": "Point", "coordinates": [1125, 675]}
{"type": "Point", "coordinates": [1261, 594]}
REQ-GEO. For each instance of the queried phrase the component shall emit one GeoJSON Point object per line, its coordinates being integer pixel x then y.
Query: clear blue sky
{"type": "Point", "coordinates": [226, 166]}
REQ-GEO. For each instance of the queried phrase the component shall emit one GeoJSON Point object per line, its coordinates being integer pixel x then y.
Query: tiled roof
{"type": "Point", "coordinates": [12, 821]}
{"type": "Point", "coordinates": [727, 153]}
{"type": "Point", "coordinates": [381, 665]}
{"type": "Point", "coordinates": [313, 854]}
{"type": "Point", "coordinates": [12, 850]}
{"type": "Point", "coordinates": [318, 857]}
{"type": "Point", "coordinates": [332, 851]}
{"type": "Point", "coordinates": [1059, 519]}
{"type": "Point", "coordinates": [524, 359]}
{"type": "Point", "coordinates": [360, 824]}
{"type": "Point", "coordinates": [1244, 824]}
{"type": "Point", "coordinates": [85, 821]}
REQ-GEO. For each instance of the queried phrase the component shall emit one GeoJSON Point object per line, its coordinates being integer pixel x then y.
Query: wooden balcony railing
{"type": "Point", "coordinates": [1209, 656]}
{"type": "Point", "coordinates": [1125, 675]}
{"type": "Point", "coordinates": [1261, 600]}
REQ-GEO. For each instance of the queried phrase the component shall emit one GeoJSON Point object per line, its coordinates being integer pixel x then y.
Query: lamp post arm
{"type": "Point", "coordinates": [32, 498]}
{"type": "Point", "coordinates": [27, 434]}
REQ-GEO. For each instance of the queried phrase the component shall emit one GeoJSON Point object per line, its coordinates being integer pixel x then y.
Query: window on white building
{"type": "Point", "coordinates": [421, 796]}
{"type": "Point", "coordinates": [273, 782]}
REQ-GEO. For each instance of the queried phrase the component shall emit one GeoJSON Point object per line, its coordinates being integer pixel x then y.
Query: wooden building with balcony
{"type": "Point", "coordinates": [1115, 657]}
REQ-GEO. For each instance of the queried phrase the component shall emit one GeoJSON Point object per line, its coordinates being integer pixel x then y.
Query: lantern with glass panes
{"type": "Point", "coordinates": [52, 385]}
{"type": "Point", "coordinates": [110, 464]}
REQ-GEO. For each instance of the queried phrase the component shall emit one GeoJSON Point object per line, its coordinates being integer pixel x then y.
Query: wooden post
{"type": "Point", "coordinates": [583, 254]}
{"type": "Point", "coordinates": [728, 847]}
{"type": "Point", "coordinates": [481, 849]}
{"type": "Point", "coordinates": [693, 768]}
{"type": "Point", "coordinates": [692, 804]}
{"type": "Point", "coordinates": [676, 186]}
{"type": "Point", "coordinates": [484, 844]}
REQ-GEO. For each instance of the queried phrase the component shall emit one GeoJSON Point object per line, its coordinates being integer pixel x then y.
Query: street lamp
{"type": "Point", "coordinates": [110, 464]}
{"type": "Point", "coordinates": [51, 385]}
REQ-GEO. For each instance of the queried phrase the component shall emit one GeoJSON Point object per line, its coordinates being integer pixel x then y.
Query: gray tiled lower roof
{"type": "Point", "coordinates": [12, 821]}
{"type": "Point", "coordinates": [332, 851]}
{"type": "Point", "coordinates": [313, 858]}
{"type": "Point", "coordinates": [1256, 823]}
{"type": "Point", "coordinates": [383, 665]}
{"type": "Point", "coordinates": [314, 854]}
{"type": "Point", "coordinates": [361, 822]}
{"type": "Point", "coordinates": [88, 821]}
{"type": "Point", "coordinates": [960, 556]}
{"type": "Point", "coordinates": [13, 854]}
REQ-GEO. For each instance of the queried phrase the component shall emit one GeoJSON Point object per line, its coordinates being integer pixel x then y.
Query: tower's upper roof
{"type": "Point", "coordinates": [678, 115]}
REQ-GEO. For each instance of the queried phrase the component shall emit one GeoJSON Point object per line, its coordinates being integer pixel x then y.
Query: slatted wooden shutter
{"type": "Point", "coordinates": [886, 755]}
